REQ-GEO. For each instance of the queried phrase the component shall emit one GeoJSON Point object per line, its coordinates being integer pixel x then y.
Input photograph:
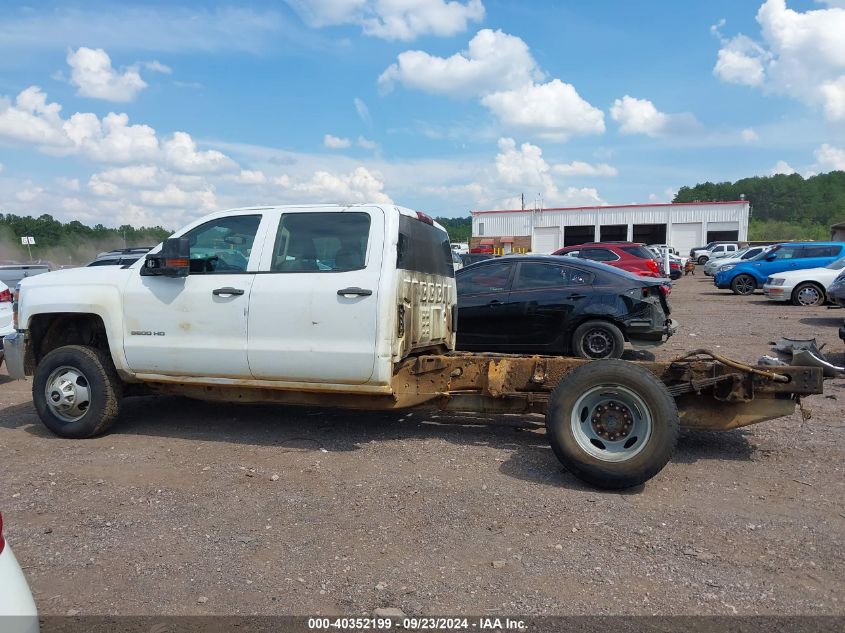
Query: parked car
{"type": "Point", "coordinates": [473, 258]}
{"type": "Point", "coordinates": [744, 278]}
{"type": "Point", "coordinates": [120, 256]}
{"type": "Point", "coordinates": [836, 290]}
{"type": "Point", "coordinates": [457, 262]}
{"type": "Point", "coordinates": [720, 249]}
{"type": "Point", "coordinates": [460, 247]}
{"type": "Point", "coordinates": [713, 265]}
{"type": "Point", "coordinates": [803, 287]}
{"type": "Point", "coordinates": [11, 274]}
{"type": "Point", "coordinates": [542, 304]}
{"type": "Point", "coordinates": [17, 608]}
{"type": "Point", "coordinates": [6, 319]}
{"type": "Point", "coordinates": [630, 256]}
{"type": "Point", "coordinates": [676, 263]}
{"type": "Point", "coordinates": [700, 254]}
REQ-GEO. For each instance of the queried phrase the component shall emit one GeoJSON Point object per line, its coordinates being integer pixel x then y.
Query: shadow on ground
{"type": "Point", "coordinates": [291, 428]}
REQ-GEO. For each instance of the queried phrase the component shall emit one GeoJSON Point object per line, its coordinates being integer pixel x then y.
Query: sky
{"type": "Point", "coordinates": [156, 113]}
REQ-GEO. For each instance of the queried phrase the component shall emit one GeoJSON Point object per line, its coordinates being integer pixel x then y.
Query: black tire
{"type": "Point", "coordinates": [675, 275]}
{"type": "Point", "coordinates": [803, 293]}
{"type": "Point", "coordinates": [99, 381]}
{"type": "Point", "coordinates": [648, 455]}
{"type": "Point", "coordinates": [703, 259]}
{"type": "Point", "coordinates": [743, 285]}
{"type": "Point", "coordinates": [597, 340]}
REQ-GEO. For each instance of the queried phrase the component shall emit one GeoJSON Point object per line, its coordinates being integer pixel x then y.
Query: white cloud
{"type": "Point", "coordinates": [335, 142]}
{"type": "Point", "coordinates": [493, 61]}
{"type": "Point", "coordinates": [801, 54]}
{"type": "Point", "coordinates": [173, 196]}
{"type": "Point", "coordinates": [251, 177]}
{"type": "Point", "coordinates": [499, 70]}
{"type": "Point", "coordinates": [93, 75]}
{"type": "Point", "coordinates": [367, 143]}
{"type": "Point", "coordinates": [360, 185]}
{"type": "Point", "coordinates": [781, 168]}
{"type": "Point", "coordinates": [30, 194]}
{"type": "Point", "coordinates": [69, 184]}
{"type": "Point", "coordinates": [525, 168]}
{"type": "Point", "coordinates": [363, 111]}
{"type": "Point", "coordinates": [641, 116]}
{"type": "Point", "coordinates": [579, 168]}
{"type": "Point", "coordinates": [553, 111]}
{"type": "Point", "coordinates": [181, 153]}
{"type": "Point", "coordinates": [157, 67]}
{"type": "Point", "coordinates": [830, 158]}
{"type": "Point", "coordinates": [749, 135]}
{"type": "Point", "coordinates": [132, 175]}
{"type": "Point", "coordinates": [393, 19]}
{"type": "Point", "coordinates": [741, 60]}
{"type": "Point", "coordinates": [32, 120]}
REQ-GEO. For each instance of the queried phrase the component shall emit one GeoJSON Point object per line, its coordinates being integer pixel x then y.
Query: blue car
{"type": "Point", "coordinates": [744, 278]}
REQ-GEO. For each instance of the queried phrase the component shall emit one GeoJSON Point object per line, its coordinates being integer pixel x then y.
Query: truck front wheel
{"type": "Point", "coordinates": [76, 391]}
{"type": "Point", "coordinates": [612, 424]}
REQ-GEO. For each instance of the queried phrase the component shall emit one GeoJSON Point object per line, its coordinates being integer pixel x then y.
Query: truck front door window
{"type": "Point", "coordinates": [223, 245]}
{"type": "Point", "coordinates": [321, 242]}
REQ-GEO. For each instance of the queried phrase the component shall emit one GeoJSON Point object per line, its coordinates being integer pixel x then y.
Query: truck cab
{"type": "Point", "coordinates": [320, 298]}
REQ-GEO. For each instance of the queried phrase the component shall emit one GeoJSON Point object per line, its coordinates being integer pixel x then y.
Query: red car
{"type": "Point", "coordinates": [630, 256]}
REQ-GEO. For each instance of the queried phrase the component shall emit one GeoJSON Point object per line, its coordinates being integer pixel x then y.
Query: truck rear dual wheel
{"type": "Point", "coordinates": [612, 424]}
{"type": "Point", "coordinates": [76, 391]}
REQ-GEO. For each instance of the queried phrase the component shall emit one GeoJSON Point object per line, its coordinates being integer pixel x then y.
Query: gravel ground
{"type": "Point", "coordinates": [195, 508]}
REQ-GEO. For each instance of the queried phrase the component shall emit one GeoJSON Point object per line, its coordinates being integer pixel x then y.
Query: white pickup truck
{"type": "Point", "coordinates": [349, 306]}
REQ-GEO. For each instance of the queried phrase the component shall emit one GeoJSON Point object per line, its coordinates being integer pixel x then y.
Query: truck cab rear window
{"type": "Point", "coordinates": [321, 242]}
{"type": "Point", "coordinates": [423, 248]}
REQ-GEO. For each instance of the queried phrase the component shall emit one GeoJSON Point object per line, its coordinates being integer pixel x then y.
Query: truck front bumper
{"type": "Point", "coordinates": [13, 349]}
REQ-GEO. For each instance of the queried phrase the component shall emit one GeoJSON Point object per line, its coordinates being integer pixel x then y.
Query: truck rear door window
{"type": "Point", "coordinates": [321, 242]}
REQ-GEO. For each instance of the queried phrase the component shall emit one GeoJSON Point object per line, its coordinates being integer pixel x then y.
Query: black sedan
{"type": "Point", "coordinates": [538, 304]}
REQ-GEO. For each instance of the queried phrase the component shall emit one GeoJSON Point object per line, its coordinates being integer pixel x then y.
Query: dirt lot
{"type": "Point", "coordinates": [193, 508]}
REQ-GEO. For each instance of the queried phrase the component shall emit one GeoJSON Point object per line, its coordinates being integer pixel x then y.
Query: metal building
{"type": "Point", "coordinates": [681, 225]}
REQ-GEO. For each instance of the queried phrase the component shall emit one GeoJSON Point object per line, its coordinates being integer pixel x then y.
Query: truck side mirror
{"type": "Point", "coordinates": [172, 261]}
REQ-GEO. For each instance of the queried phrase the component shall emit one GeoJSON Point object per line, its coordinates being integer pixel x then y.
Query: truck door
{"type": "Point", "coordinates": [313, 313]}
{"type": "Point", "coordinates": [196, 325]}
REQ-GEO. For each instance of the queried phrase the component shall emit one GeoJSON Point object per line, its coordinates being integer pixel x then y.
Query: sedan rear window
{"type": "Point", "coordinates": [638, 251]}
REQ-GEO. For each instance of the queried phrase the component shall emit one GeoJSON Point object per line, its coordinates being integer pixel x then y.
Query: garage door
{"type": "Point", "coordinates": [546, 239]}
{"type": "Point", "coordinates": [685, 236]}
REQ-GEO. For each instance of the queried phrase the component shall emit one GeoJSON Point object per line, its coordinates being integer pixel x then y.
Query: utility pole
{"type": "Point", "coordinates": [522, 195]}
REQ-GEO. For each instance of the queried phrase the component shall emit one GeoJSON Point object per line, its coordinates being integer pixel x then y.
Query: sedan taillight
{"type": "Point", "coordinates": [5, 295]}
{"type": "Point", "coordinates": [652, 266]}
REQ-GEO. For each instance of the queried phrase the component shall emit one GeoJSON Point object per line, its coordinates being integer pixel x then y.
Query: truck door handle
{"type": "Point", "coordinates": [576, 296]}
{"type": "Point", "coordinates": [361, 292]}
{"type": "Point", "coordinates": [495, 303]}
{"type": "Point", "coordinates": [226, 291]}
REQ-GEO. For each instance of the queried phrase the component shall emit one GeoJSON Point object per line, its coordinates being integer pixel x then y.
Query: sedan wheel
{"type": "Point", "coordinates": [807, 295]}
{"type": "Point", "coordinates": [744, 285]}
{"type": "Point", "coordinates": [598, 340]}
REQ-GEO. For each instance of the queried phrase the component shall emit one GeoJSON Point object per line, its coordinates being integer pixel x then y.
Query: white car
{"type": "Point", "coordinates": [17, 608]}
{"type": "Point", "coordinates": [6, 324]}
{"type": "Point", "coordinates": [712, 266]}
{"type": "Point", "coordinates": [803, 287]}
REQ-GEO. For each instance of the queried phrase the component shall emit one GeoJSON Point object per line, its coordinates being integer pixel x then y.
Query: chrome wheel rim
{"type": "Point", "coordinates": [744, 285]}
{"type": "Point", "coordinates": [809, 296]}
{"type": "Point", "coordinates": [611, 423]}
{"type": "Point", "coordinates": [597, 343]}
{"type": "Point", "coordinates": [67, 393]}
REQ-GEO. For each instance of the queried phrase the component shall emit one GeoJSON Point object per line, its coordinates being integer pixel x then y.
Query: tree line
{"type": "Point", "coordinates": [783, 207]}
{"type": "Point", "coordinates": [68, 243]}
